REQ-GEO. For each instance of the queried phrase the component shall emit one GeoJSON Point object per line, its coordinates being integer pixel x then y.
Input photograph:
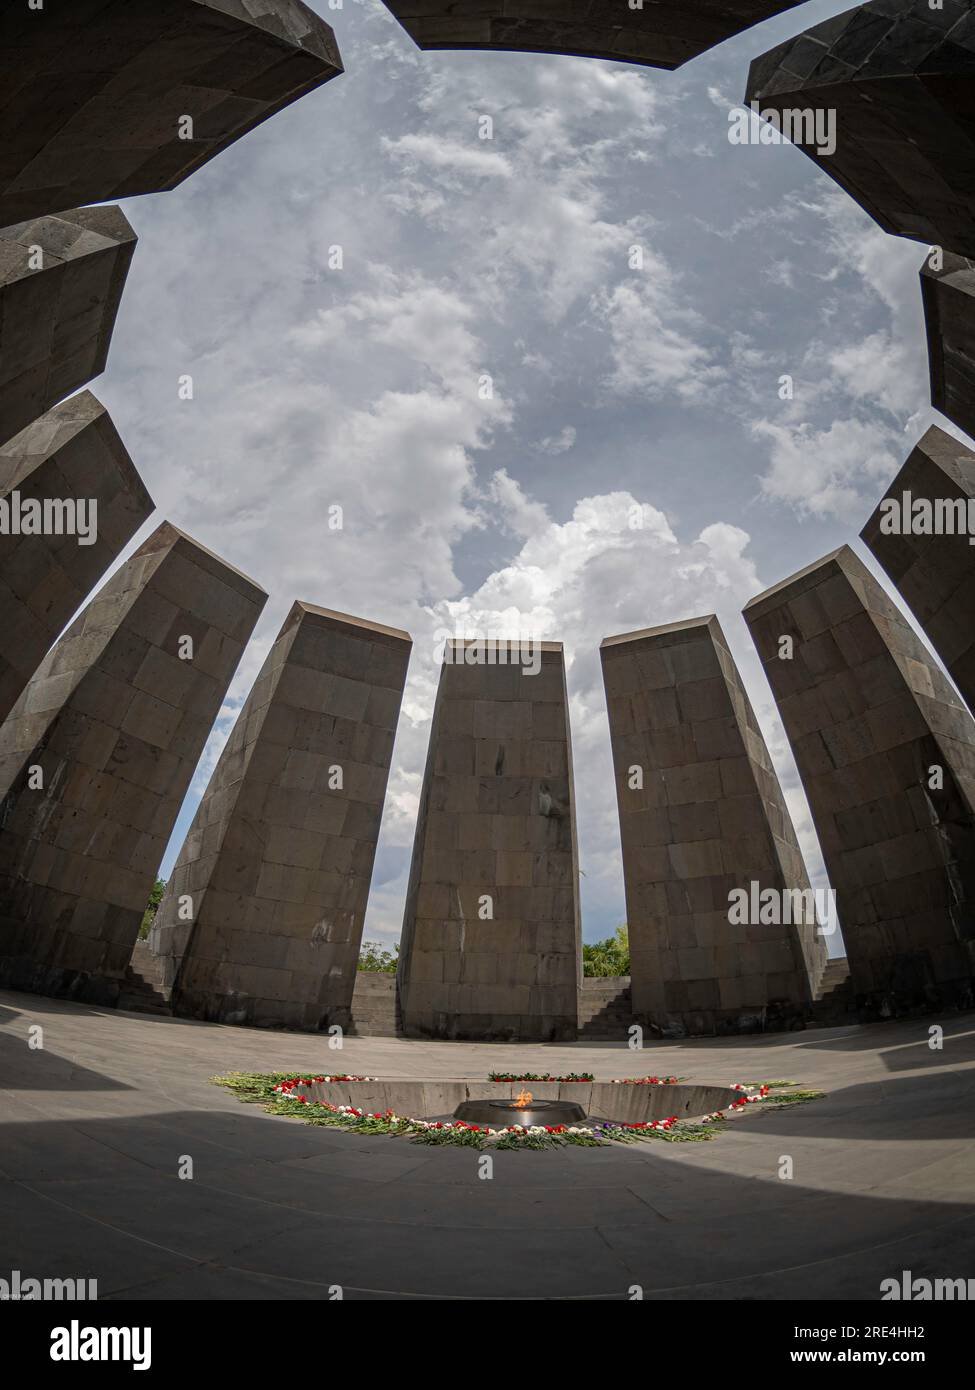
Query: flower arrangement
{"type": "Point", "coordinates": [645, 1080]}
{"type": "Point", "coordinates": [292, 1081]}
{"type": "Point", "coordinates": [460, 1132]}
{"type": "Point", "coordinates": [279, 1095]}
{"type": "Point", "coordinates": [536, 1076]}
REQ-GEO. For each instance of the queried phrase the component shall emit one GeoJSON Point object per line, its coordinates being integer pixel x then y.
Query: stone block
{"type": "Point", "coordinates": [722, 828]}
{"type": "Point", "coordinates": [660, 34]}
{"type": "Point", "coordinates": [103, 99]}
{"type": "Point", "coordinates": [893, 807]}
{"type": "Point", "coordinates": [70, 470]}
{"type": "Point", "coordinates": [61, 281]}
{"type": "Point", "coordinates": [495, 856]}
{"type": "Point", "coordinates": [896, 75]}
{"type": "Point", "coordinates": [308, 886]}
{"type": "Point", "coordinates": [922, 532]}
{"type": "Point", "coordinates": [90, 792]}
{"type": "Point", "coordinates": [948, 295]}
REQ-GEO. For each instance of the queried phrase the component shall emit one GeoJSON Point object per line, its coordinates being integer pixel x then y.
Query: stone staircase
{"type": "Point", "coordinates": [833, 1001]}
{"type": "Point", "coordinates": [605, 1008]}
{"type": "Point", "coordinates": [143, 991]}
{"type": "Point", "coordinates": [375, 1006]}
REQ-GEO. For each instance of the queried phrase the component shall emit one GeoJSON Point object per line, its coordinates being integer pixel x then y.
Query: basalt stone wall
{"type": "Point", "coordinates": [491, 944]}
{"type": "Point", "coordinates": [97, 755]}
{"type": "Point", "coordinates": [898, 74]}
{"type": "Point", "coordinates": [94, 94]}
{"type": "Point", "coordinates": [948, 294]}
{"type": "Point", "coordinates": [61, 280]}
{"type": "Point", "coordinates": [69, 469]}
{"type": "Point", "coordinates": [661, 33]}
{"type": "Point", "coordinates": [277, 864]}
{"type": "Point", "coordinates": [702, 816]}
{"type": "Point", "coordinates": [934, 572]}
{"type": "Point", "coordinates": [886, 752]}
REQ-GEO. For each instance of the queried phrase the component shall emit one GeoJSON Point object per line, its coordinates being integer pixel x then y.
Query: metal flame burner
{"type": "Point", "coordinates": [500, 1113]}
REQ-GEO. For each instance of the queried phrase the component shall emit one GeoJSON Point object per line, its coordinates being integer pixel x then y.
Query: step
{"type": "Point", "coordinates": [144, 1003]}
{"type": "Point", "coordinates": [145, 965]}
{"type": "Point", "coordinates": [142, 988]}
{"type": "Point", "coordinates": [835, 976]}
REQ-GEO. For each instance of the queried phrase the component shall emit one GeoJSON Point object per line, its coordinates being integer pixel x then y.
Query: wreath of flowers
{"type": "Point", "coordinates": [278, 1094]}
{"type": "Point", "coordinates": [537, 1076]}
{"type": "Point", "coordinates": [290, 1083]}
{"type": "Point", "coordinates": [583, 1076]}
{"type": "Point", "coordinates": [644, 1080]}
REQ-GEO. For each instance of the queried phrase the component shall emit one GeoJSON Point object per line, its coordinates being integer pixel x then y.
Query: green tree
{"type": "Point", "coordinates": [149, 916]}
{"type": "Point", "coordinates": [374, 956]}
{"type": "Point", "coordinates": [609, 957]}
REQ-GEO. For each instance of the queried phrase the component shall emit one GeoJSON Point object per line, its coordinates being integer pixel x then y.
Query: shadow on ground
{"type": "Point", "coordinates": [280, 1210]}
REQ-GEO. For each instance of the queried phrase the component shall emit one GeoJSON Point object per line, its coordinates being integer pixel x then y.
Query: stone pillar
{"type": "Point", "coordinates": [934, 568]}
{"type": "Point", "coordinates": [263, 914]}
{"type": "Point", "coordinates": [705, 830]}
{"type": "Point", "coordinates": [886, 753]}
{"type": "Point", "coordinates": [491, 942]}
{"type": "Point", "coordinates": [61, 280]}
{"type": "Point", "coordinates": [96, 758]}
{"type": "Point", "coordinates": [896, 74]}
{"type": "Point", "coordinates": [948, 295]}
{"type": "Point", "coordinates": [71, 501]}
{"type": "Point", "coordinates": [661, 34]}
{"type": "Point", "coordinates": [96, 97]}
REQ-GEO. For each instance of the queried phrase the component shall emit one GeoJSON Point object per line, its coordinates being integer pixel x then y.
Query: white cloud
{"type": "Point", "coordinates": [651, 351]}
{"type": "Point", "coordinates": [449, 155]}
{"type": "Point", "coordinates": [559, 443]}
{"type": "Point", "coordinates": [820, 471]}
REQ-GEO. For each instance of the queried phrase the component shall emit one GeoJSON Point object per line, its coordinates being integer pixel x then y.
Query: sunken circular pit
{"type": "Point", "coordinates": [619, 1102]}
{"type": "Point", "coordinates": [524, 1110]}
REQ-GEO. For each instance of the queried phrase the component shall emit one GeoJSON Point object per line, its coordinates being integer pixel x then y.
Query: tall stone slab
{"type": "Point", "coordinates": [70, 502]}
{"type": "Point", "coordinates": [702, 821]}
{"type": "Point", "coordinates": [922, 533]}
{"type": "Point", "coordinates": [886, 752]}
{"type": "Point", "coordinates": [96, 758]}
{"type": "Point", "coordinates": [658, 33]}
{"type": "Point", "coordinates": [61, 280]}
{"type": "Point", "coordinates": [491, 944]}
{"type": "Point", "coordinates": [948, 294]}
{"type": "Point", "coordinates": [897, 74]}
{"type": "Point", "coordinates": [263, 914]}
{"type": "Point", "coordinates": [103, 99]}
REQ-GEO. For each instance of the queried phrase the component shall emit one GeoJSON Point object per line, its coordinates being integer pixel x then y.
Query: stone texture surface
{"type": "Point", "coordinates": [92, 93]}
{"type": "Point", "coordinates": [61, 280]}
{"type": "Point", "coordinates": [116, 720]}
{"type": "Point", "coordinates": [605, 1099]}
{"type": "Point", "coordinates": [495, 833]}
{"type": "Point", "coordinates": [898, 74]}
{"type": "Point", "coordinates": [935, 574]}
{"type": "Point", "coordinates": [278, 861]}
{"type": "Point", "coordinates": [661, 34]}
{"type": "Point", "coordinates": [869, 715]}
{"type": "Point", "coordinates": [71, 452]}
{"type": "Point", "coordinates": [279, 1211]}
{"type": "Point", "coordinates": [948, 295]}
{"type": "Point", "coordinates": [708, 819]}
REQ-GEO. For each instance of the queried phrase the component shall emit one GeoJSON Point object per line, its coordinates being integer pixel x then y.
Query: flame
{"type": "Point", "coordinates": [522, 1099]}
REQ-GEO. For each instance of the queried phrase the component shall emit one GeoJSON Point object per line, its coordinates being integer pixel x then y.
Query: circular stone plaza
{"type": "Point", "coordinates": [96, 1123]}
{"type": "Point", "coordinates": [771, 1097]}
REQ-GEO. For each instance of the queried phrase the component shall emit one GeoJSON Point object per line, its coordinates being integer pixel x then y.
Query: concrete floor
{"type": "Point", "coordinates": [94, 1125]}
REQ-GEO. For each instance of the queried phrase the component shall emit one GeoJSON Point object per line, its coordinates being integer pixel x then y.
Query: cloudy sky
{"type": "Point", "coordinates": [614, 386]}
